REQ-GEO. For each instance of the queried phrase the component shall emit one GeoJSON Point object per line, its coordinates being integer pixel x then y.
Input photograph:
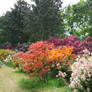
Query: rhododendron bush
{"type": "Point", "coordinates": [88, 43]}
{"type": "Point", "coordinates": [68, 41]}
{"type": "Point", "coordinates": [42, 57]}
{"type": "Point", "coordinates": [63, 57]}
{"type": "Point", "coordinates": [73, 40]}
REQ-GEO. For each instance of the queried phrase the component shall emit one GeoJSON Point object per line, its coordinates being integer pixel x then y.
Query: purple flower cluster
{"type": "Point", "coordinates": [22, 47]}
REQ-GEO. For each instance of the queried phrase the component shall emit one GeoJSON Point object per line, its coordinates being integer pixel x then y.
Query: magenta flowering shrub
{"type": "Point", "coordinates": [71, 41]}
{"type": "Point", "coordinates": [88, 43]}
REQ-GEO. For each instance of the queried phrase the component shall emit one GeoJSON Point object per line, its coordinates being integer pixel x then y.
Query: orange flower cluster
{"type": "Point", "coordinates": [61, 54]}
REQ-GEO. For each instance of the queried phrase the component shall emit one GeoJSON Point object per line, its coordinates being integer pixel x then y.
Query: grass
{"type": "Point", "coordinates": [38, 86]}
{"type": "Point", "coordinates": [13, 81]}
{"type": "Point", "coordinates": [52, 85]}
{"type": "Point", "coordinates": [8, 63]}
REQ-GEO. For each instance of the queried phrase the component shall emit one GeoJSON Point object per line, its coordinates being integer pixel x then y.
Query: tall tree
{"type": "Point", "coordinates": [16, 22]}
{"type": "Point", "coordinates": [47, 19]}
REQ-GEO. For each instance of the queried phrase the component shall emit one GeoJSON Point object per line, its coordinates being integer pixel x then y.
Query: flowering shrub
{"type": "Point", "coordinates": [16, 60]}
{"type": "Point", "coordinates": [64, 58]}
{"type": "Point", "coordinates": [88, 43]}
{"type": "Point", "coordinates": [61, 74]}
{"type": "Point", "coordinates": [87, 52]}
{"type": "Point", "coordinates": [64, 54]}
{"type": "Point", "coordinates": [82, 73]}
{"type": "Point", "coordinates": [6, 57]}
{"type": "Point", "coordinates": [41, 57]}
{"type": "Point", "coordinates": [68, 41]}
{"type": "Point", "coordinates": [4, 53]}
{"type": "Point", "coordinates": [34, 60]}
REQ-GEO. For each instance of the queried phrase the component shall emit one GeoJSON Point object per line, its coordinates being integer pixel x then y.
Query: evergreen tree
{"type": "Point", "coordinates": [47, 19]}
{"type": "Point", "coordinates": [16, 23]}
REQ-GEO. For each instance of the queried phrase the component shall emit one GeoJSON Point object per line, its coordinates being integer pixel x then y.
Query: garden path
{"type": "Point", "coordinates": [9, 80]}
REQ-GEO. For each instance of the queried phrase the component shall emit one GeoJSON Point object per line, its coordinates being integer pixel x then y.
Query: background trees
{"type": "Point", "coordinates": [45, 19]}
{"type": "Point", "coordinates": [16, 22]}
{"type": "Point", "coordinates": [48, 19]}
{"type": "Point", "coordinates": [33, 22]}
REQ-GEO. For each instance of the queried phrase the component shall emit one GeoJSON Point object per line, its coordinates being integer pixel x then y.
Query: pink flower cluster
{"type": "Point", "coordinates": [81, 69]}
{"type": "Point", "coordinates": [88, 43]}
{"type": "Point", "coordinates": [61, 74]}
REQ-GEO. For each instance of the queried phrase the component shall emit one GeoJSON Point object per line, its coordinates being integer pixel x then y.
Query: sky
{"type": "Point", "coordinates": [6, 5]}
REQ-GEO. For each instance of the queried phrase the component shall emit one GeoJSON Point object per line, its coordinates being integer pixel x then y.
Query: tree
{"type": "Point", "coordinates": [3, 33]}
{"type": "Point", "coordinates": [77, 19]}
{"type": "Point", "coordinates": [38, 22]}
{"type": "Point", "coordinates": [47, 19]}
{"type": "Point", "coordinates": [16, 25]}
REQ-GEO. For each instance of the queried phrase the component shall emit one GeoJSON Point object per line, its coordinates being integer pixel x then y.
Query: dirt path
{"type": "Point", "coordinates": [9, 80]}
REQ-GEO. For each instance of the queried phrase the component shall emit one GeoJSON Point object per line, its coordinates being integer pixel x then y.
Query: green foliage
{"type": "Point", "coordinates": [32, 22]}
{"type": "Point", "coordinates": [46, 20]}
{"type": "Point", "coordinates": [78, 19]}
{"type": "Point", "coordinates": [89, 13]}
{"type": "Point", "coordinates": [8, 63]}
{"type": "Point", "coordinates": [36, 84]}
{"type": "Point", "coordinates": [2, 38]}
{"type": "Point", "coordinates": [66, 89]}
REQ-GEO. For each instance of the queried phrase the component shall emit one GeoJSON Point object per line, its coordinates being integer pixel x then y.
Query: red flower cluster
{"type": "Point", "coordinates": [34, 59]}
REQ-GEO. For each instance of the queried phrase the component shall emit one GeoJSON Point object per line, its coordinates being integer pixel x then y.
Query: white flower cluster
{"type": "Point", "coordinates": [80, 69]}
{"type": "Point", "coordinates": [8, 59]}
